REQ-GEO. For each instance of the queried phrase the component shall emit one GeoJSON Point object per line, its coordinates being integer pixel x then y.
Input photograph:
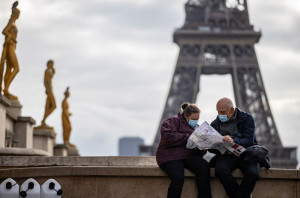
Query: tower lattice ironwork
{"type": "Point", "coordinates": [217, 38]}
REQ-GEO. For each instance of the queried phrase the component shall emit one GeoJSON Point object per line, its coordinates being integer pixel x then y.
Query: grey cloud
{"type": "Point", "coordinates": [131, 15]}
{"type": "Point", "coordinates": [277, 22]}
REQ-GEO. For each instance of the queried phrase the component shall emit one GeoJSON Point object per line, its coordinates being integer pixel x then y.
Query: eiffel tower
{"type": "Point", "coordinates": [217, 38]}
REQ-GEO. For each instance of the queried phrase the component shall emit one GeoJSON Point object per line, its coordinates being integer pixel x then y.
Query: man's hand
{"type": "Point", "coordinates": [227, 138]}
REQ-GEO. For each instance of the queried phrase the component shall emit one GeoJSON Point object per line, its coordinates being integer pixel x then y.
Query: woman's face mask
{"type": "Point", "coordinates": [193, 119]}
{"type": "Point", "coordinates": [193, 123]}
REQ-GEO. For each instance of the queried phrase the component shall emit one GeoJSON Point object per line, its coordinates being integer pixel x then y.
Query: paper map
{"type": "Point", "coordinates": [206, 137]}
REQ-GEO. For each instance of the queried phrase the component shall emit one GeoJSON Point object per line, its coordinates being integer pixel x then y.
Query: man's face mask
{"type": "Point", "coordinates": [223, 118]}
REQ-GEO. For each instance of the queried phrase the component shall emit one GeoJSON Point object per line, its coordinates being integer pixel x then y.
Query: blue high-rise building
{"type": "Point", "coordinates": [129, 146]}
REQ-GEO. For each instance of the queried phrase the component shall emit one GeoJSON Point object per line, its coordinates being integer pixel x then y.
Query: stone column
{"type": "Point", "coordinates": [4, 103]}
{"type": "Point", "coordinates": [44, 139]}
{"type": "Point", "coordinates": [24, 132]}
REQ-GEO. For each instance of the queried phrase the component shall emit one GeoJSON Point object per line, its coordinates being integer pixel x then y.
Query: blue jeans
{"type": "Point", "coordinates": [225, 164]}
{"type": "Point", "coordinates": [175, 170]}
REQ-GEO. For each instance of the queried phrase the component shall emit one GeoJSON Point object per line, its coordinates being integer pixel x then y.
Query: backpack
{"type": "Point", "coordinates": [257, 153]}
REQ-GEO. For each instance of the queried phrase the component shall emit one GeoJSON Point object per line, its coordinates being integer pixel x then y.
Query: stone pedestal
{"type": "Point", "coordinates": [4, 103]}
{"type": "Point", "coordinates": [60, 150]}
{"type": "Point", "coordinates": [73, 152]}
{"type": "Point", "coordinates": [14, 109]}
{"type": "Point", "coordinates": [15, 130]}
{"type": "Point", "coordinates": [24, 132]}
{"type": "Point", "coordinates": [44, 139]}
{"type": "Point", "coordinates": [17, 136]}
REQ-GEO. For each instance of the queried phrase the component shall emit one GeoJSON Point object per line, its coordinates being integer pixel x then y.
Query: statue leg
{"type": "Point", "coordinates": [1, 77]}
{"type": "Point", "coordinates": [49, 108]}
{"type": "Point", "coordinates": [12, 64]}
{"type": "Point", "coordinates": [67, 132]}
{"type": "Point", "coordinates": [46, 111]}
{"type": "Point", "coordinates": [6, 79]}
{"type": "Point", "coordinates": [68, 137]}
{"type": "Point", "coordinates": [52, 103]}
{"type": "Point", "coordinates": [2, 63]}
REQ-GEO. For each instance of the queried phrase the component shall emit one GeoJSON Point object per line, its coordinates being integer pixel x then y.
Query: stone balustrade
{"type": "Point", "coordinates": [131, 177]}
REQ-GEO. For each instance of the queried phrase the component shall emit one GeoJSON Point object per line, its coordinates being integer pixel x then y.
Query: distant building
{"type": "Point", "coordinates": [129, 146]}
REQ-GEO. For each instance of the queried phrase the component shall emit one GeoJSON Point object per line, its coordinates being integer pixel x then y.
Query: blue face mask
{"type": "Point", "coordinates": [223, 118]}
{"type": "Point", "coordinates": [193, 123]}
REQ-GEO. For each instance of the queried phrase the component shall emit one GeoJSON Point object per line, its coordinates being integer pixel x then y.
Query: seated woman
{"type": "Point", "coordinates": [172, 156]}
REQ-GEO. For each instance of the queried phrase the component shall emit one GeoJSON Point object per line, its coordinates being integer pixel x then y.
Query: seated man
{"type": "Point", "coordinates": [238, 127]}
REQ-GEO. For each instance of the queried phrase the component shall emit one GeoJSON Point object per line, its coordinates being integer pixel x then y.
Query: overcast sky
{"type": "Point", "coordinates": [118, 58]}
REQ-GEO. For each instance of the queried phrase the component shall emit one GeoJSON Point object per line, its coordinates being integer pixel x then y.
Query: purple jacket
{"type": "Point", "coordinates": [174, 134]}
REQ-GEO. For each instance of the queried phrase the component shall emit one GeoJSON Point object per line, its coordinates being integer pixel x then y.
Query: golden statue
{"type": "Point", "coordinates": [50, 101]}
{"type": "Point", "coordinates": [66, 121]}
{"type": "Point", "coordinates": [8, 54]}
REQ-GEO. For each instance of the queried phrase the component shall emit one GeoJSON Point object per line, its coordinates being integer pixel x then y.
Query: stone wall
{"type": "Point", "coordinates": [131, 177]}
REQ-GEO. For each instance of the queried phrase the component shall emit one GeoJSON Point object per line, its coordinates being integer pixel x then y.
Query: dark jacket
{"type": "Point", "coordinates": [174, 134]}
{"type": "Point", "coordinates": [245, 126]}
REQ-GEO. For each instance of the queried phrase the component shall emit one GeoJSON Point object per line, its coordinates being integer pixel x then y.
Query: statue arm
{"type": "Point", "coordinates": [67, 113]}
{"type": "Point", "coordinates": [64, 111]}
{"type": "Point", "coordinates": [6, 32]}
{"type": "Point", "coordinates": [47, 81]}
{"type": "Point", "coordinates": [48, 87]}
{"type": "Point", "coordinates": [65, 108]}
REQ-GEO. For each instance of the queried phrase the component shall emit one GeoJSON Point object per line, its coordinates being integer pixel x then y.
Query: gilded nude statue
{"type": "Point", "coordinates": [9, 53]}
{"type": "Point", "coordinates": [66, 120]}
{"type": "Point", "coordinates": [50, 101]}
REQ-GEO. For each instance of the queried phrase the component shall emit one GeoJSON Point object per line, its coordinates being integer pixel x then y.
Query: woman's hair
{"type": "Point", "coordinates": [50, 62]}
{"type": "Point", "coordinates": [15, 4]}
{"type": "Point", "coordinates": [188, 109]}
{"type": "Point", "coordinates": [67, 91]}
{"type": "Point", "coordinates": [15, 10]}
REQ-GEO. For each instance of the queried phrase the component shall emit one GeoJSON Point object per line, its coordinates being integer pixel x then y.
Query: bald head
{"type": "Point", "coordinates": [225, 107]}
{"type": "Point", "coordinates": [225, 102]}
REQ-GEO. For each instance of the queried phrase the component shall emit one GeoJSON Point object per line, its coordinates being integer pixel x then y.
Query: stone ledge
{"type": "Point", "coordinates": [280, 173]}
{"type": "Point", "coordinates": [111, 166]}
{"type": "Point", "coordinates": [20, 161]}
{"type": "Point", "coordinates": [60, 146]}
{"type": "Point", "coordinates": [12, 115]}
{"type": "Point", "coordinates": [121, 171]}
{"type": "Point", "coordinates": [15, 103]}
{"type": "Point", "coordinates": [47, 132]}
{"type": "Point", "coordinates": [26, 119]}
{"type": "Point", "coordinates": [19, 152]}
{"type": "Point", "coordinates": [116, 177]}
{"type": "Point", "coordinates": [131, 161]}
{"type": "Point", "coordinates": [34, 161]}
{"type": "Point", "coordinates": [4, 101]}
